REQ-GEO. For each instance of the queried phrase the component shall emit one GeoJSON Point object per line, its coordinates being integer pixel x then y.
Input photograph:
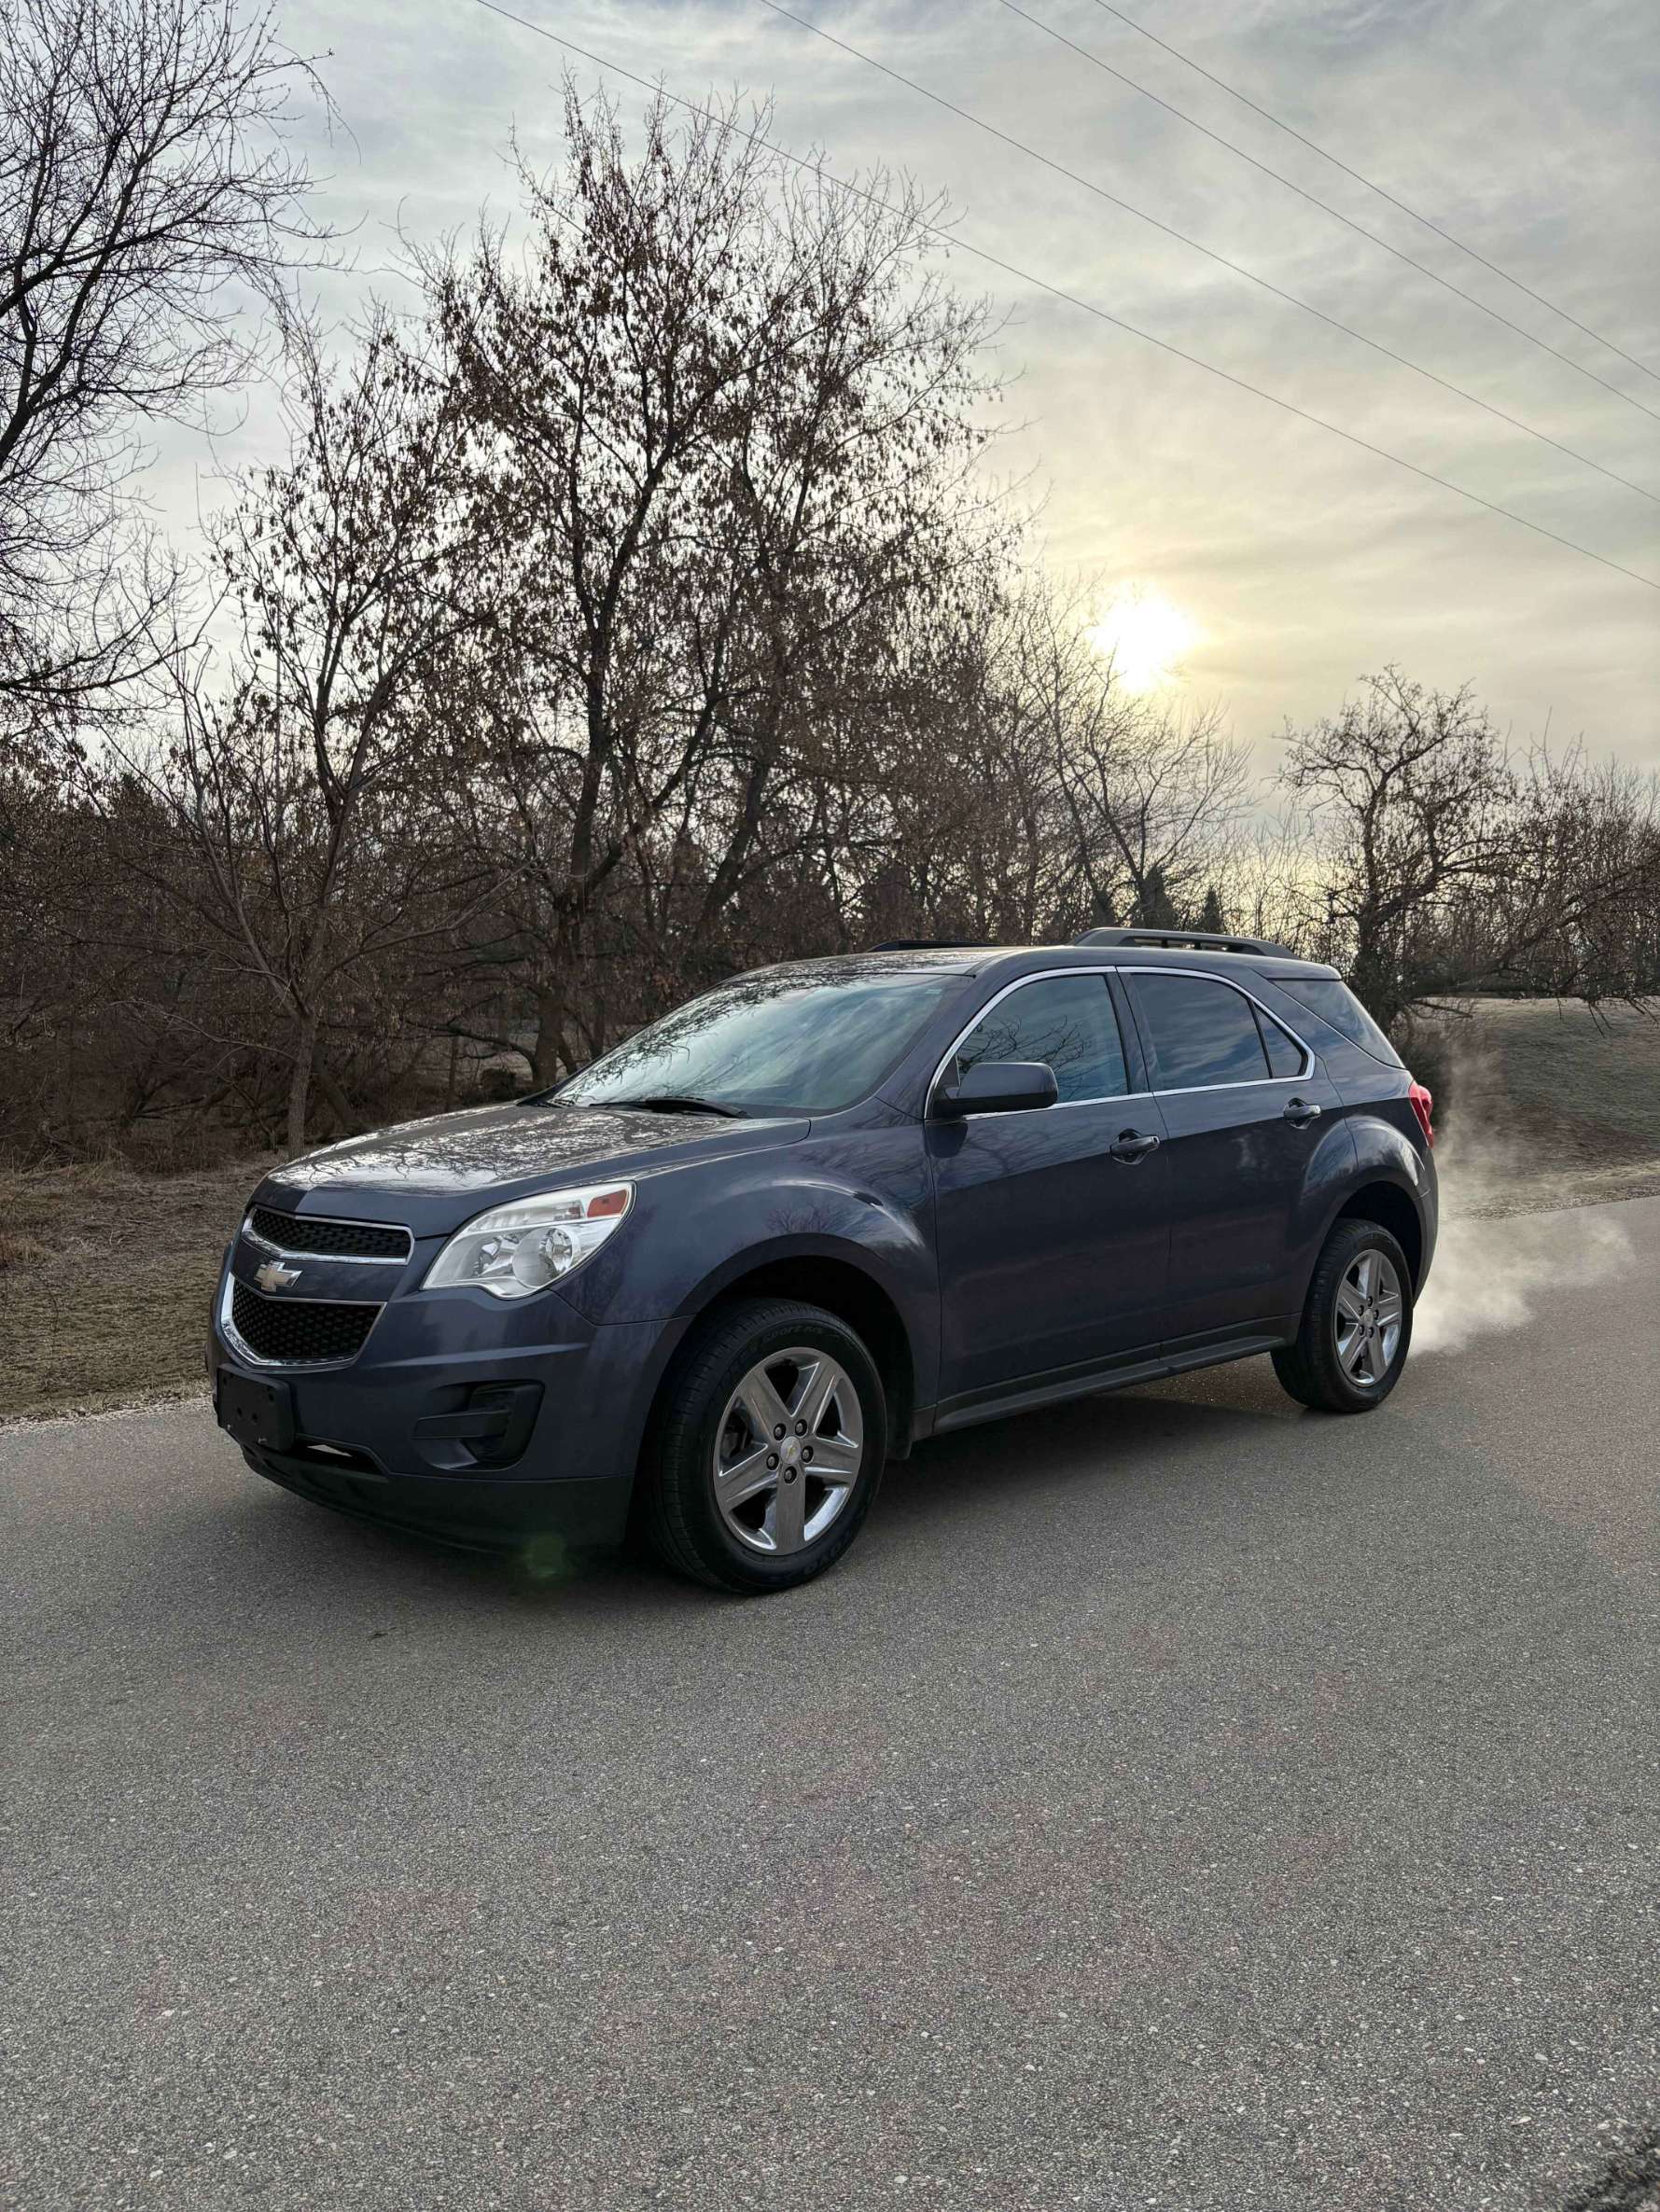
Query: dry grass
{"type": "Point", "coordinates": [1548, 1106]}
{"type": "Point", "coordinates": [106, 1278]}
{"type": "Point", "coordinates": [1586, 1087]}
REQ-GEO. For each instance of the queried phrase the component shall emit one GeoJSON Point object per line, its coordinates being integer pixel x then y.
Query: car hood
{"type": "Point", "coordinates": [442, 1168]}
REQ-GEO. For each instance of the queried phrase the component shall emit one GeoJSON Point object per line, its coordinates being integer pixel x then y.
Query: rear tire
{"type": "Point", "coordinates": [766, 1448]}
{"type": "Point", "coordinates": [1356, 1323]}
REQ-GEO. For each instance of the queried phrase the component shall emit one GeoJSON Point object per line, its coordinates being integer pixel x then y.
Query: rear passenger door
{"type": "Point", "coordinates": [1242, 1103]}
{"type": "Point", "coordinates": [1051, 1244]}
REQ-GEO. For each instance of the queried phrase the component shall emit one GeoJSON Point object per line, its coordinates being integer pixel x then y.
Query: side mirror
{"type": "Point", "coordinates": [997, 1086]}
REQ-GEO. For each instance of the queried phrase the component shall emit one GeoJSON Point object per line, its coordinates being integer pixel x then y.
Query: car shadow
{"type": "Point", "coordinates": [1184, 1430]}
{"type": "Point", "coordinates": [1111, 1439]}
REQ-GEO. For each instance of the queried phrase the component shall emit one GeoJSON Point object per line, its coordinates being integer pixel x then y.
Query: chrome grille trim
{"type": "Point", "coordinates": [293, 1251]}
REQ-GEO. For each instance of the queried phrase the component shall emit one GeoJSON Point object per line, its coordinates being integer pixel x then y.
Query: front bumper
{"type": "Point", "coordinates": [540, 1520]}
{"type": "Point", "coordinates": [484, 1424]}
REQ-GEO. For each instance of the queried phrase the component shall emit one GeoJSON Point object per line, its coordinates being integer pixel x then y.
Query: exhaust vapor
{"type": "Point", "coordinates": [1496, 1249]}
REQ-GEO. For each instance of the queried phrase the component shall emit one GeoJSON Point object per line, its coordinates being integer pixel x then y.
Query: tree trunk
{"type": "Point", "coordinates": [338, 1104]}
{"type": "Point", "coordinates": [1375, 980]}
{"type": "Point", "coordinates": [549, 1035]}
{"type": "Point", "coordinates": [299, 1082]}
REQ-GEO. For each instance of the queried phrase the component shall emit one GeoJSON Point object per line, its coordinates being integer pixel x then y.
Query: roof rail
{"type": "Point", "coordinates": [930, 944]}
{"type": "Point", "coordinates": [1199, 941]}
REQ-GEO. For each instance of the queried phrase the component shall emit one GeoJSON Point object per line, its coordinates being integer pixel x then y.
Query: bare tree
{"type": "Point", "coordinates": [144, 189]}
{"type": "Point", "coordinates": [1447, 863]}
{"type": "Point", "coordinates": [1269, 886]}
{"type": "Point", "coordinates": [979, 841]}
{"type": "Point", "coordinates": [1415, 789]}
{"type": "Point", "coordinates": [302, 778]}
{"type": "Point", "coordinates": [1154, 793]}
{"type": "Point", "coordinates": [1576, 910]}
{"type": "Point", "coordinates": [723, 429]}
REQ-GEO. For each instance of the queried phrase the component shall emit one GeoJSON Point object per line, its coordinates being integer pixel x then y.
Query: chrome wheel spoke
{"type": "Point", "coordinates": [737, 1480]}
{"type": "Point", "coordinates": [816, 1387]}
{"type": "Point", "coordinates": [1349, 1301]}
{"type": "Point", "coordinates": [769, 1416]}
{"type": "Point", "coordinates": [789, 1513]}
{"type": "Point", "coordinates": [835, 1459]}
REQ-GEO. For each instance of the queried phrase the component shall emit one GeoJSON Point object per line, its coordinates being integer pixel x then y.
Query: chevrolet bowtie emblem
{"type": "Point", "coordinates": [273, 1276]}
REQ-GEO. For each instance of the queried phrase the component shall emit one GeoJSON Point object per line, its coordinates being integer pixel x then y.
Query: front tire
{"type": "Point", "coordinates": [766, 1448]}
{"type": "Point", "coordinates": [1356, 1323]}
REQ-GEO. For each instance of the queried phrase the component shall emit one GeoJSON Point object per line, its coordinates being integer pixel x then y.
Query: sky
{"type": "Point", "coordinates": [1234, 551]}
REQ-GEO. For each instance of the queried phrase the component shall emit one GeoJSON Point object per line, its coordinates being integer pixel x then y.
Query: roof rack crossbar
{"type": "Point", "coordinates": [1203, 940]}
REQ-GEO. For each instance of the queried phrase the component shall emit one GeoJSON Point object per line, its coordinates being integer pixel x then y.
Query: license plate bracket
{"type": "Point", "coordinates": [252, 1410]}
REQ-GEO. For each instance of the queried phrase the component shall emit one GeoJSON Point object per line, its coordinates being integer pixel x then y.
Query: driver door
{"type": "Point", "coordinates": [1054, 1249]}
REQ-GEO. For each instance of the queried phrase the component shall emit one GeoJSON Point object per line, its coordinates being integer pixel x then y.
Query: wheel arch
{"type": "Point", "coordinates": [1394, 1208]}
{"type": "Point", "coordinates": [829, 1279]}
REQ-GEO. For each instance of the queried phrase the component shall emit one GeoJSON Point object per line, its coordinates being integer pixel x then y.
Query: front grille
{"type": "Point", "coordinates": [296, 1330]}
{"type": "Point", "coordinates": [343, 1240]}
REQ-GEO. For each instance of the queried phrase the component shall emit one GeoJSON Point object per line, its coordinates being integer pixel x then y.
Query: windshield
{"type": "Point", "coordinates": [784, 1042]}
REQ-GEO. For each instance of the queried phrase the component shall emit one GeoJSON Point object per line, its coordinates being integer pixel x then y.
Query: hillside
{"type": "Point", "coordinates": [1543, 1105]}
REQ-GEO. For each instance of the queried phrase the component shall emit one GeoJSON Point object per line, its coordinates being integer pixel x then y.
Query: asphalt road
{"type": "Point", "coordinates": [1176, 1800]}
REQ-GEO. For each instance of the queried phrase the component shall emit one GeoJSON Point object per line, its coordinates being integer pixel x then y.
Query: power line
{"type": "Point", "coordinates": [1238, 268]}
{"type": "Point", "coordinates": [1336, 214]}
{"type": "Point", "coordinates": [950, 239]}
{"type": "Point", "coordinates": [1373, 186]}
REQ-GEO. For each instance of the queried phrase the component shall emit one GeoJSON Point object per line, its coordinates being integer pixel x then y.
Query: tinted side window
{"type": "Point", "coordinates": [1285, 1057]}
{"type": "Point", "coordinates": [1201, 1033]}
{"type": "Point", "coordinates": [1065, 1021]}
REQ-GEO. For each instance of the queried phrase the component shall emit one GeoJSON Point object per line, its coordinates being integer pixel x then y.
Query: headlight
{"type": "Point", "coordinates": [515, 1251]}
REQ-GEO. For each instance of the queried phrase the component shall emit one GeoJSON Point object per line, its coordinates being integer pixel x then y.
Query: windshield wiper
{"type": "Point", "coordinates": [673, 1102]}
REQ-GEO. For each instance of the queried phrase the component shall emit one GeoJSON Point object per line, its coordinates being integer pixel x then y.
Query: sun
{"type": "Point", "coordinates": [1145, 637]}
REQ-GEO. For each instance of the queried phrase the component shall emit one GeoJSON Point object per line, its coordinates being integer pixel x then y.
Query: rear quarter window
{"type": "Point", "coordinates": [1340, 1009]}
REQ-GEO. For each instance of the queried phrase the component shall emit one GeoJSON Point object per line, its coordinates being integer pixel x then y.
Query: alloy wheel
{"type": "Point", "coordinates": [1366, 1321]}
{"type": "Point", "coordinates": [789, 1451]}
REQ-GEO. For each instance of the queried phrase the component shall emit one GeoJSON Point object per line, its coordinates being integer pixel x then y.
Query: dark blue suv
{"type": "Point", "coordinates": [714, 1283]}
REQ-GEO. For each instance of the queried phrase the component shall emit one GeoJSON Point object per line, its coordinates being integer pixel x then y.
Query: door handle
{"type": "Point", "coordinates": [1131, 1146]}
{"type": "Point", "coordinates": [1299, 1112]}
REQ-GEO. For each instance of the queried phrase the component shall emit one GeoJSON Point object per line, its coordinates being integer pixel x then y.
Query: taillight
{"type": "Point", "coordinates": [1423, 1105]}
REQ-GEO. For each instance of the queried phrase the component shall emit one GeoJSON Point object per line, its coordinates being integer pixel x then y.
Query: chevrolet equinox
{"type": "Point", "coordinates": [711, 1284]}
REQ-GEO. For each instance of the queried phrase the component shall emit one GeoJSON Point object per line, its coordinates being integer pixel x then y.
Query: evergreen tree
{"type": "Point", "coordinates": [1155, 909]}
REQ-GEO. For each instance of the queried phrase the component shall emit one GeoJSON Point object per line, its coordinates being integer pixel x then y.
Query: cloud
{"type": "Point", "coordinates": [1526, 127]}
